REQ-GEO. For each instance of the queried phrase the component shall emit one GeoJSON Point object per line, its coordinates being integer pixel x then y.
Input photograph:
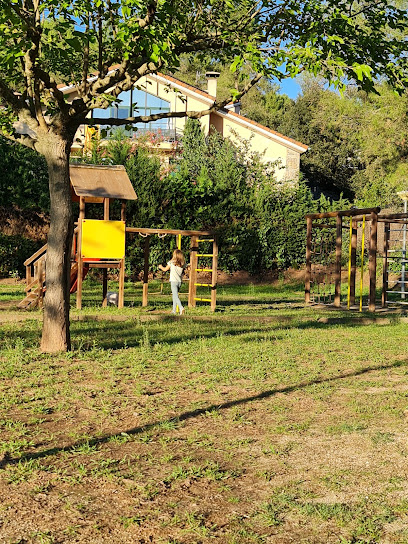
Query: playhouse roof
{"type": "Point", "coordinates": [96, 181]}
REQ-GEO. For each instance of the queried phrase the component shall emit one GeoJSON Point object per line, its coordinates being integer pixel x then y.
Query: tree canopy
{"type": "Point", "coordinates": [104, 47]}
{"type": "Point", "coordinates": [47, 42]}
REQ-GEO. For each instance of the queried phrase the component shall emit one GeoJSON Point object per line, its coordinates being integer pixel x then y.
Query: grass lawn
{"type": "Point", "coordinates": [265, 422]}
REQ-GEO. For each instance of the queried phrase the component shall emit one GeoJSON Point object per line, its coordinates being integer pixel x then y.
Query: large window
{"type": "Point", "coordinates": [138, 102]}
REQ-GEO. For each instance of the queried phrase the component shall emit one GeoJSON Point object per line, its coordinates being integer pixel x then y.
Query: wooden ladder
{"type": "Point", "coordinates": [35, 280]}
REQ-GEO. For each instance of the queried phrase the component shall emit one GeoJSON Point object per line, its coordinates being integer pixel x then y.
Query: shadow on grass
{"type": "Point", "coordinates": [167, 330]}
{"type": "Point", "coordinates": [185, 416]}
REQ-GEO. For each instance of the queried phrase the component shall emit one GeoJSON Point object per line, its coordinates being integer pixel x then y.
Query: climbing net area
{"type": "Point", "coordinates": [344, 244]}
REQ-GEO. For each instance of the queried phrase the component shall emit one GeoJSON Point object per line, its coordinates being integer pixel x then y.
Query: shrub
{"type": "Point", "coordinates": [14, 250]}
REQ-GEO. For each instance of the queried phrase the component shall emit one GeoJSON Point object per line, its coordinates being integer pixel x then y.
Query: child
{"type": "Point", "coordinates": [176, 267]}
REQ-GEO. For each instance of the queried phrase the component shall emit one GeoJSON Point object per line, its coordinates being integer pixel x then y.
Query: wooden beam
{"type": "Point", "coordinates": [79, 253]}
{"type": "Point", "coordinates": [121, 297]}
{"type": "Point", "coordinates": [308, 259]}
{"type": "Point", "coordinates": [104, 287]}
{"type": "Point", "coordinates": [372, 264]}
{"type": "Point", "coordinates": [385, 265]}
{"type": "Point", "coordinates": [337, 271]}
{"type": "Point", "coordinates": [106, 209]}
{"type": "Point", "coordinates": [344, 213]}
{"type": "Point", "coordinates": [169, 231]}
{"type": "Point", "coordinates": [193, 273]}
{"type": "Point", "coordinates": [146, 271]}
{"type": "Point", "coordinates": [353, 262]}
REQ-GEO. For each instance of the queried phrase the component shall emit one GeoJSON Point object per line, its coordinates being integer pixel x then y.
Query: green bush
{"type": "Point", "coordinates": [23, 177]}
{"type": "Point", "coordinates": [14, 250]}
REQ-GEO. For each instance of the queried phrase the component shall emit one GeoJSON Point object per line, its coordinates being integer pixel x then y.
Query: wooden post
{"type": "Point", "coordinates": [123, 210]}
{"type": "Point", "coordinates": [337, 271]}
{"type": "Point", "coordinates": [146, 271]}
{"type": "Point", "coordinates": [121, 297]}
{"type": "Point", "coordinates": [372, 263]}
{"type": "Point", "coordinates": [106, 209]}
{"type": "Point", "coordinates": [105, 270]}
{"type": "Point", "coordinates": [104, 287]}
{"type": "Point", "coordinates": [28, 275]}
{"type": "Point", "coordinates": [79, 258]}
{"type": "Point", "coordinates": [308, 259]}
{"type": "Point", "coordinates": [214, 275]}
{"type": "Point", "coordinates": [40, 272]}
{"type": "Point", "coordinates": [193, 272]}
{"type": "Point", "coordinates": [385, 264]}
{"type": "Point", "coordinates": [353, 262]}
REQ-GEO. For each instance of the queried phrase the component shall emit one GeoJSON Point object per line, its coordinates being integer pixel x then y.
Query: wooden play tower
{"type": "Point", "coordinates": [97, 243]}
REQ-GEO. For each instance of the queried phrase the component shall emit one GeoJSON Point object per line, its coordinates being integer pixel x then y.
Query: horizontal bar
{"type": "Point", "coordinates": [403, 215]}
{"type": "Point", "coordinates": [396, 302]}
{"type": "Point", "coordinates": [203, 269]}
{"type": "Point", "coordinates": [169, 231]}
{"type": "Point", "coordinates": [35, 256]}
{"type": "Point", "coordinates": [203, 299]}
{"type": "Point", "coordinates": [205, 255]}
{"type": "Point", "coordinates": [344, 213]}
{"type": "Point", "coordinates": [398, 292]}
{"type": "Point", "coordinates": [206, 240]}
{"type": "Point", "coordinates": [203, 284]}
{"type": "Point", "coordinates": [396, 281]}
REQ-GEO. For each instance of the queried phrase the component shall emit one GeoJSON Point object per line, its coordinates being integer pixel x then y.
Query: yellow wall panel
{"type": "Point", "coordinates": [103, 239]}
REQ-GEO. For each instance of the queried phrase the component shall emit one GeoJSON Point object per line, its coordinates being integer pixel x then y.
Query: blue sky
{"type": "Point", "coordinates": [290, 87]}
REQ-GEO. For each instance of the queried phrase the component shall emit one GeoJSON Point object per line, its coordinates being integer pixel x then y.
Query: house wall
{"type": "Point", "coordinates": [182, 100]}
{"type": "Point", "coordinates": [270, 150]}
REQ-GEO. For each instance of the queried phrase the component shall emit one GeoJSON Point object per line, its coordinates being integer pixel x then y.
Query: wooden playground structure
{"type": "Point", "coordinates": [101, 243]}
{"type": "Point", "coordinates": [328, 235]}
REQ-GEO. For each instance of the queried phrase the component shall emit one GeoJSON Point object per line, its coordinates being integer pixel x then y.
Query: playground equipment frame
{"type": "Point", "coordinates": [368, 216]}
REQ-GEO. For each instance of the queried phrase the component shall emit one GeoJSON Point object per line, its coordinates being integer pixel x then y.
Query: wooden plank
{"type": "Point", "coordinates": [121, 298]}
{"type": "Point", "coordinates": [389, 216]}
{"type": "Point", "coordinates": [169, 231]}
{"type": "Point", "coordinates": [353, 262]}
{"type": "Point", "coordinates": [101, 264]}
{"type": "Point", "coordinates": [106, 203]}
{"type": "Point", "coordinates": [344, 213]}
{"type": "Point", "coordinates": [308, 259]}
{"type": "Point", "coordinates": [192, 290]}
{"type": "Point", "coordinates": [372, 263]}
{"type": "Point", "coordinates": [385, 265]}
{"type": "Point", "coordinates": [146, 271]}
{"type": "Point", "coordinates": [35, 255]}
{"type": "Point", "coordinates": [79, 253]}
{"type": "Point", "coordinates": [337, 271]}
{"type": "Point", "coordinates": [104, 287]}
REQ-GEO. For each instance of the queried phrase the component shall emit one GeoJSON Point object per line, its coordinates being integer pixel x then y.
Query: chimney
{"type": "Point", "coordinates": [212, 82]}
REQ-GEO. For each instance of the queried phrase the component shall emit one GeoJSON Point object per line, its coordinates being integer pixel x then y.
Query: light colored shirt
{"type": "Point", "coordinates": [176, 272]}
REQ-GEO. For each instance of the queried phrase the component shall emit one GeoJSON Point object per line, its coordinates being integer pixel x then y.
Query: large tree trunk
{"type": "Point", "coordinates": [55, 333]}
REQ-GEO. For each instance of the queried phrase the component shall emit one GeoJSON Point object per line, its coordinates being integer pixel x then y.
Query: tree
{"type": "Point", "coordinates": [47, 42]}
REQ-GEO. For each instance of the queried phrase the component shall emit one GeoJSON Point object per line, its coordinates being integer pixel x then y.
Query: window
{"type": "Point", "coordinates": [138, 102]}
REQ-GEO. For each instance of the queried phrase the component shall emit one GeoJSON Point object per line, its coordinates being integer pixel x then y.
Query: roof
{"type": "Point", "coordinates": [209, 99]}
{"type": "Point", "coordinates": [98, 181]}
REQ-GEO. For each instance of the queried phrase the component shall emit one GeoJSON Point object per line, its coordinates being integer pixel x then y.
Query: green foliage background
{"type": "Point", "coordinates": [358, 147]}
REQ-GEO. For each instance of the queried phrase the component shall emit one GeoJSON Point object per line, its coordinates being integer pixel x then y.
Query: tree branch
{"type": "Point", "coordinates": [23, 139]}
{"type": "Point", "coordinates": [151, 12]}
{"type": "Point", "coordinates": [176, 114]}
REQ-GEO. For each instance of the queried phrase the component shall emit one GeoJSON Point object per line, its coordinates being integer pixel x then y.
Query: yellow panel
{"type": "Point", "coordinates": [103, 239]}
